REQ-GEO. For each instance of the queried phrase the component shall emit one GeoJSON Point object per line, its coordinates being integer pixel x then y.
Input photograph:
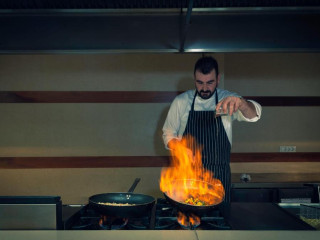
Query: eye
{"type": "Point", "coordinates": [199, 82]}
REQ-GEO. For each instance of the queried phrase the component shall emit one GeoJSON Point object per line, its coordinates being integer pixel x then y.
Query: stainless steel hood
{"type": "Point", "coordinates": [88, 31]}
{"type": "Point", "coordinates": [253, 29]}
{"type": "Point", "coordinates": [256, 30]}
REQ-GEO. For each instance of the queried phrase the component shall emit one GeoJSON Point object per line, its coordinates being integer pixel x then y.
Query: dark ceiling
{"type": "Point", "coordinates": [175, 26]}
{"type": "Point", "coordinates": [129, 4]}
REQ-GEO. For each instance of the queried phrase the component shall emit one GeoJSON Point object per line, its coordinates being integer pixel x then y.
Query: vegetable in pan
{"type": "Point", "coordinates": [116, 204]}
{"type": "Point", "coordinates": [195, 201]}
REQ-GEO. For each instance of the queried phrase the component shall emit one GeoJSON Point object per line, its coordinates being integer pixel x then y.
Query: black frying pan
{"type": "Point", "coordinates": [187, 208]}
{"type": "Point", "coordinates": [139, 204]}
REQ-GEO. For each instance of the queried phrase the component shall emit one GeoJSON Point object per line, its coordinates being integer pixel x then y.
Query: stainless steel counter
{"type": "Point", "coordinates": [159, 235]}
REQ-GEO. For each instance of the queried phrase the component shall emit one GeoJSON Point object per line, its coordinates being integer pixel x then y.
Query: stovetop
{"type": "Point", "coordinates": [162, 217]}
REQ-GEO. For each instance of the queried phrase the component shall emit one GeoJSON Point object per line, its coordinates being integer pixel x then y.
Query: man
{"type": "Point", "coordinates": [193, 113]}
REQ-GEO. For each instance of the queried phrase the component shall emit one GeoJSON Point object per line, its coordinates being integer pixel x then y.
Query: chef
{"type": "Point", "coordinates": [195, 113]}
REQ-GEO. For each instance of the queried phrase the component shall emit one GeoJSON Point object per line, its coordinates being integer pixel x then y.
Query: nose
{"type": "Point", "coordinates": [205, 87]}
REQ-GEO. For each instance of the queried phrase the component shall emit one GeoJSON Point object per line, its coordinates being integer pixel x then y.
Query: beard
{"type": "Point", "coordinates": [205, 94]}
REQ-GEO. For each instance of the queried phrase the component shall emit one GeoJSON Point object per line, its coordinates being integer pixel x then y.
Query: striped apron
{"type": "Point", "coordinates": [209, 133]}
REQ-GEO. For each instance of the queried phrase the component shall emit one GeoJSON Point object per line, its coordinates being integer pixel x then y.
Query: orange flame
{"type": "Point", "coordinates": [186, 178]}
{"type": "Point", "coordinates": [188, 222]}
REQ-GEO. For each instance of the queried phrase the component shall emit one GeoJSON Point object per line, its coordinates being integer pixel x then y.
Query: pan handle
{"type": "Point", "coordinates": [136, 181]}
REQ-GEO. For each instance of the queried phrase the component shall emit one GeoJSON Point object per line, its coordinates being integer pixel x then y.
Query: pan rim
{"type": "Point", "coordinates": [152, 199]}
{"type": "Point", "coordinates": [189, 205]}
{"type": "Point", "coordinates": [195, 206]}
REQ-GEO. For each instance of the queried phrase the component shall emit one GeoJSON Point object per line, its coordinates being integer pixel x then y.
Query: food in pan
{"type": "Point", "coordinates": [312, 221]}
{"type": "Point", "coordinates": [116, 204]}
{"type": "Point", "coordinates": [195, 201]}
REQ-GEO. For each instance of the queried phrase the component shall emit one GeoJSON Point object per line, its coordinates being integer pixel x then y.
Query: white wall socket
{"type": "Point", "coordinates": [288, 148]}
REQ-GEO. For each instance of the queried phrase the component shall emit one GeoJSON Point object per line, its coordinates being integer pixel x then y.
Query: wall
{"type": "Point", "coordinates": [96, 129]}
{"type": "Point", "coordinates": [273, 74]}
{"type": "Point", "coordinates": [89, 129]}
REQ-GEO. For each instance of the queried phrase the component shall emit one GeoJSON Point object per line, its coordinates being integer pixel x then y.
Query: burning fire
{"type": "Point", "coordinates": [112, 223]}
{"type": "Point", "coordinates": [188, 222]}
{"type": "Point", "coordinates": [186, 178]}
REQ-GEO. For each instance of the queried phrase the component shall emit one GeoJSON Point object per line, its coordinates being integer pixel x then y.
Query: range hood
{"type": "Point", "coordinates": [252, 29]}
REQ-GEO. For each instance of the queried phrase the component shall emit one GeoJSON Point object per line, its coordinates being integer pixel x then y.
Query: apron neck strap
{"type": "Point", "coordinates": [194, 98]}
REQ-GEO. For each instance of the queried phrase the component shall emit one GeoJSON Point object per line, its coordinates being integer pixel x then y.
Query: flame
{"type": "Point", "coordinates": [188, 222]}
{"type": "Point", "coordinates": [104, 220]}
{"type": "Point", "coordinates": [108, 222]}
{"type": "Point", "coordinates": [186, 177]}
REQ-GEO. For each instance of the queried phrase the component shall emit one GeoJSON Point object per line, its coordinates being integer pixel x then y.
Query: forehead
{"type": "Point", "coordinates": [205, 77]}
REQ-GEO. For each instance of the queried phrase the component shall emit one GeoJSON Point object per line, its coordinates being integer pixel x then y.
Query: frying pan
{"type": "Point", "coordinates": [139, 204]}
{"type": "Point", "coordinates": [187, 208]}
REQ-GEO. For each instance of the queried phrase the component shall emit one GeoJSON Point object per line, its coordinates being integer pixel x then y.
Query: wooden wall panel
{"type": "Point", "coordinates": [279, 177]}
{"type": "Point", "coordinates": [133, 97]}
{"type": "Point", "coordinates": [86, 97]}
{"type": "Point", "coordinates": [276, 157]}
{"type": "Point", "coordinates": [141, 161]}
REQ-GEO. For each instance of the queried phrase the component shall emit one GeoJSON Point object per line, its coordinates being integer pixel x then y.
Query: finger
{"type": "Point", "coordinates": [218, 105]}
{"type": "Point", "coordinates": [225, 105]}
{"type": "Point", "coordinates": [231, 108]}
{"type": "Point", "coordinates": [237, 105]}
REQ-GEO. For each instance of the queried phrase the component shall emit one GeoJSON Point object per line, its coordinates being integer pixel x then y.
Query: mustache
{"type": "Point", "coordinates": [208, 91]}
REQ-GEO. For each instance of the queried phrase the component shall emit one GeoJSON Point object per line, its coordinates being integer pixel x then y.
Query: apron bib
{"type": "Point", "coordinates": [209, 133]}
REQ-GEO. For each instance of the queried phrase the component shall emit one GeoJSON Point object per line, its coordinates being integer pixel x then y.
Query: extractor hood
{"type": "Point", "coordinates": [176, 30]}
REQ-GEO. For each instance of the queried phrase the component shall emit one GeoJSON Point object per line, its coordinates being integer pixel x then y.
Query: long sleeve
{"type": "Point", "coordinates": [178, 113]}
{"type": "Point", "coordinates": [239, 116]}
{"type": "Point", "coordinates": [172, 124]}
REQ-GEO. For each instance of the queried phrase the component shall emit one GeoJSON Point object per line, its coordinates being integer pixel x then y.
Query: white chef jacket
{"type": "Point", "coordinates": [178, 114]}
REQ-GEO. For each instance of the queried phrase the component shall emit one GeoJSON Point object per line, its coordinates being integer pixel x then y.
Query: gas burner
{"type": "Point", "coordinates": [166, 223]}
{"type": "Point", "coordinates": [138, 223]}
{"type": "Point", "coordinates": [214, 223]}
{"type": "Point", "coordinates": [163, 217]}
{"type": "Point", "coordinates": [112, 223]}
{"type": "Point", "coordinates": [161, 223]}
{"type": "Point", "coordinates": [188, 221]}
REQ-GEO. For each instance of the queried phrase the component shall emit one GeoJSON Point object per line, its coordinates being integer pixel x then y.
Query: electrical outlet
{"type": "Point", "coordinates": [288, 148]}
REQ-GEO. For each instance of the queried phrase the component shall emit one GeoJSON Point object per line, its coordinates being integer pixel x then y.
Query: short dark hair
{"type": "Point", "coordinates": [205, 65]}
